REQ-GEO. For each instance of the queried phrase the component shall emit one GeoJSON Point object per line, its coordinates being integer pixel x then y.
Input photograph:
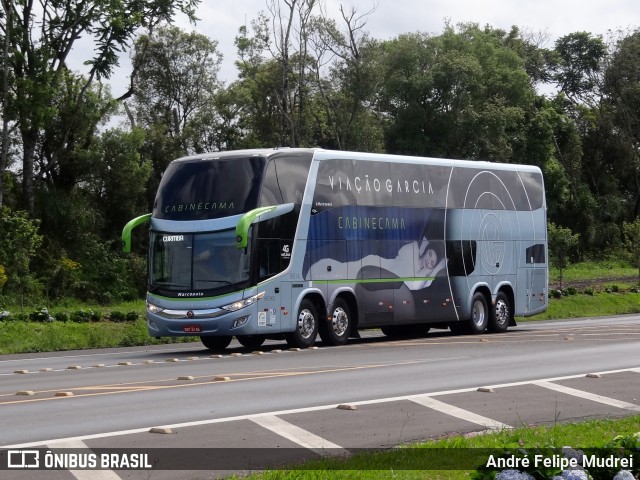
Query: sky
{"type": "Point", "coordinates": [220, 20]}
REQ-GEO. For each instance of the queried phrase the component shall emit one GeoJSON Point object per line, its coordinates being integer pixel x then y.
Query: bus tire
{"type": "Point", "coordinates": [500, 314]}
{"type": "Point", "coordinates": [216, 344]}
{"type": "Point", "coordinates": [479, 314]}
{"type": "Point", "coordinates": [336, 331]}
{"type": "Point", "coordinates": [251, 341]}
{"type": "Point", "coordinates": [306, 328]}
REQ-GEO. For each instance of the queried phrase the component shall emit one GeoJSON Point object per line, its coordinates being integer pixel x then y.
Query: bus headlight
{"type": "Point", "coordinates": [232, 307]}
{"type": "Point", "coordinates": [153, 308]}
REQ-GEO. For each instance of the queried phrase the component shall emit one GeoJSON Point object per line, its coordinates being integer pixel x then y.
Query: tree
{"type": "Point", "coordinates": [632, 243]}
{"type": "Point", "coordinates": [579, 63]}
{"type": "Point", "coordinates": [562, 245]}
{"type": "Point", "coordinates": [39, 42]}
{"type": "Point", "coordinates": [346, 81]}
{"type": "Point", "coordinates": [174, 91]}
{"type": "Point", "coordinates": [462, 94]}
{"type": "Point", "coordinates": [19, 244]}
{"type": "Point", "coordinates": [621, 118]}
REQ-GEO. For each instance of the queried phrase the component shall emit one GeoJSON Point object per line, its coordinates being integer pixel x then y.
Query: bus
{"type": "Point", "coordinates": [291, 243]}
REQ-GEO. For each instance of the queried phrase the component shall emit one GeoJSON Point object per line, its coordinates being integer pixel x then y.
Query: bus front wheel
{"type": "Point", "coordinates": [216, 344]}
{"type": "Point", "coordinates": [306, 329]}
{"type": "Point", "coordinates": [336, 330]}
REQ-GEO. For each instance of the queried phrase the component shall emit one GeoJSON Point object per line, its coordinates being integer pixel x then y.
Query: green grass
{"type": "Point", "coordinates": [593, 271]}
{"type": "Point", "coordinates": [597, 305]}
{"type": "Point", "coordinates": [470, 452]}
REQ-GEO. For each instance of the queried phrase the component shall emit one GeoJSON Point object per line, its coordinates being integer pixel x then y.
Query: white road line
{"type": "Point", "coordinates": [316, 408]}
{"type": "Point", "coordinates": [589, 396]}
{"type": "Point", "coordinates": [428, 401]}
{"type": "Point", "coordinates": [300, 436]}
{"type": "Point", "coordinates": [84, 474]}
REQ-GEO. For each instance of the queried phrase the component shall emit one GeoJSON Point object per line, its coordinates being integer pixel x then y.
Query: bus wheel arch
{"type": "Point", "coordinates": [501, 311]}
{"type": "Point", "coordinates": [340, 322]}
{"type": "Point", "coordinates": [306, 322]}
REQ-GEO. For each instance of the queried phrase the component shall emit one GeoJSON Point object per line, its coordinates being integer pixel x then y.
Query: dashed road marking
{"type": "Point", "coordinates": [589, 396]}
{"type": "Point", "coordinates": [428, 401]}
{"type": "Point", "coordinates": [299, 435]}
{"type": "Point", "coordinates": [213, 421]}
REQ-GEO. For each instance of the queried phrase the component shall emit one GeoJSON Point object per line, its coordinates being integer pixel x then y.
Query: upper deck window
{"type": "Point", "coordinates": [212, 188]}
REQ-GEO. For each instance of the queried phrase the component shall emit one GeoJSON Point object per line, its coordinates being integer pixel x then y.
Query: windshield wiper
{"type": "Point", "coordinates": [159, 285]}
{"type": "Point", "coordinates": [225, 282]}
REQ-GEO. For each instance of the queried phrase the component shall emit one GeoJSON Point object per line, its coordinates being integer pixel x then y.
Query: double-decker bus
{"type": "Point", "coordinates": [292, 243]}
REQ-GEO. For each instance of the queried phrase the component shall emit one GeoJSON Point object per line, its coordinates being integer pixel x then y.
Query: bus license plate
{"type": "Point", "coordinates": [191, 329]}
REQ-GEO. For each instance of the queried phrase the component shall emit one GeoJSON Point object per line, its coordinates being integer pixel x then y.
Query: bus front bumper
{"type": "Point", "coordinates": [169, 322]}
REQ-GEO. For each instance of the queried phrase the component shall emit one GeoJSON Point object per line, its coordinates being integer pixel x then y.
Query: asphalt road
{"type": "Point", "coordinates": [372, 393]}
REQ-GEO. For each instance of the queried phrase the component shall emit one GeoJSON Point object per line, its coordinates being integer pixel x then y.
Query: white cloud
{"type": "Point", "coordinates": [220, 20]}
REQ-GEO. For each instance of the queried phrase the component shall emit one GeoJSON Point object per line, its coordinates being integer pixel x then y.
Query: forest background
{"type": "Point", "coordinates": [77, 163]}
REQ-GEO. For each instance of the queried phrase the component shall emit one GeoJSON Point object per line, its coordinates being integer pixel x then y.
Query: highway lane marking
{"type": "Point", "coordinates": [298, 435]}
{"type": "Point", "coordinates": [244, 376]}
{"type": "Point", "coordinates": [432, 403]}
{"type": "Point", "coordinates": [516, 337]}
{"type": "Point", "coordinates": [251, 416]}
{"type": "Point", "coordinates": [588, 396]}
{"type": "Point", "coordinates": [83, 474]}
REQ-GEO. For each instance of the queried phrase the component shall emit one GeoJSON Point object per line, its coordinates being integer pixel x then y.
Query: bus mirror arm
{"type": "Point", "coordinates": [126, 231]}
{"type": "Point", "coordinates": [258, 215]}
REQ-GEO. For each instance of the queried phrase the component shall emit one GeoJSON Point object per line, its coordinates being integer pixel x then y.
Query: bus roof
{"type": "Point", "coordinates": [322, 154]}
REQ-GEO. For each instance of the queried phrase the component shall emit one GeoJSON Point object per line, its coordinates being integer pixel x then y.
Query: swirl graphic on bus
{"type": "Point", "coordinates": [492, 249]}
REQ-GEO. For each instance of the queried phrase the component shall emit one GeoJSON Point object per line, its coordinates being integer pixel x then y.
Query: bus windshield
{"type": "Point", "coordinates": [196, 265]}
{"type": "Point", "coordinates": [200, 190]}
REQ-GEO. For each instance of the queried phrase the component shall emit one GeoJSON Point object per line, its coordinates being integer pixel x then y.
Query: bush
{"type": "Point", "coordinates": [117, 316]}
{"type": "Point", "coordinates": [570, 291]}
{"type": "Point", "coordinates": [132, 316]}
{"type": "Point", "coordinates": [81, 316]}
{"type": "Point", "coordinates": [41, 315]}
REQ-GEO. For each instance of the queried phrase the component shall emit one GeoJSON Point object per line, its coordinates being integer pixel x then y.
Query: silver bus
{"type": "Point", "coordinates": [296, 243]}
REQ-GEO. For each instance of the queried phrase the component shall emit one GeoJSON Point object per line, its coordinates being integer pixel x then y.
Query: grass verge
{"type": "Point", "coordinates": [470, 453]}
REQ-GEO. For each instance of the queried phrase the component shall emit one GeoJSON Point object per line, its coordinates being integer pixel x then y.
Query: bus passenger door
{"type": "Point", "coordinates": [536, 278]}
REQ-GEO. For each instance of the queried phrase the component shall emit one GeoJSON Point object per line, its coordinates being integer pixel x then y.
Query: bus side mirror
{"type": "Point", "coordinates": [258, 215]}
{"type": "Point", "coordinates": [126, 231]}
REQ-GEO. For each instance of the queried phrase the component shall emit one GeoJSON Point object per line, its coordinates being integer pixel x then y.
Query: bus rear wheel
{"type": "Point", "coordinates": [479, 314]}
{"type": "Point", "coordinates": [251, 341]}
{"type": "Point", "coordinates": [216, 344]}
{"type": "Point", "coordinates": [336, 330]}
{"type": "Point", "coordinates": [500, 314]}
{"type": "Point", "coordinates": [306, 329]}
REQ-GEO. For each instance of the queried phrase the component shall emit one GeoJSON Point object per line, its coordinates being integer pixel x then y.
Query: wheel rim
{"type": "Point", "coordinates": [340, 321]}
{"type": "Point", "coordinates": [306, 323]}
{"type": "Point", "coordinates": [502, 312]}
{"type": "Point", "coordinates": [479, 314]}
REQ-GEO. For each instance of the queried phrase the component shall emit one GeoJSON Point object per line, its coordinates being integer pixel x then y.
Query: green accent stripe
{"type": "Point", "coordinates": [379, 280]}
